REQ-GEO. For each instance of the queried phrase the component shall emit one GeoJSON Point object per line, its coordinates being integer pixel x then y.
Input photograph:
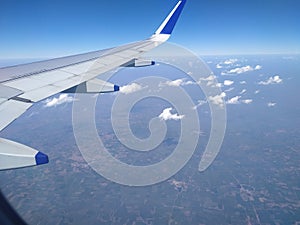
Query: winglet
{"type": "Point", "coordinates": [169, 23]}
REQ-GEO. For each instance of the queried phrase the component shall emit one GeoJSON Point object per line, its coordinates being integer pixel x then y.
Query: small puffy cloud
{"type": "Point", "coordinates": [234, 100]}
{"type": "Point", "coordinates": [258, 67]}
{"type": "Point", "coordinates": [247, 101]}
{"type": "Point", "coordinates": [200, 103]}
{"type": "Point", "coordinates": [218, 99]}
{"type": "Point", "coordinates": [271, 104]}
{"type": "Point", "coordinates": [230, 61]}
{"type": "Point", "coordinates": [131, 88]}
{"type": "Point", "coordinates": [210, 83]}
{"type": "Point", "coordinates": [240, 70]}
{"type": "Point", "coordinates": [256, 92]}
{"type": "Point", "coordinates": [272, 80]}
{"type": "Point", "coordinates": [209, 78]}
{"type": "Point", "coordinates": [227, 63]}
{"type": "Point", "coordinates": [189, 82]}
{"type": "Point", "coordinates": [228, 82]}
{"type": "Point", "coordinates": [243, 82]}
{"type": "Point", "coordinates": [63, 98]}
{"type": "Point", "coordinates": [230, 89]}
{"type": "Point", "coordinates": [176, 83]}
{"type": "Point", "coordinates": [167, 115]}
{"type": "Point", "coordinates": [243, 91]}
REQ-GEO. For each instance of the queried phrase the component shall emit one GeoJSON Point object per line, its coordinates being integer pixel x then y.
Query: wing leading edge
{"type": "Point", "coordinates": [23, 85]}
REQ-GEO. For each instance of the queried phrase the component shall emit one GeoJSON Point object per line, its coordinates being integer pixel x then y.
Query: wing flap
{"type": "Point", "coordinates": [128, 53]}
{"type": "Point", "coordinates": [68, 83]}
{"type": "Point", "coordinates": [41, 93]}
{"type": "Point", "coordinates": [25, 84]}
{"type": "Point", "coordinates": [38, 81]}
{"type": "Point", "coordinates": [11, 110]}
{"type": "Point", "coordinates": [52, 77]}
{"type": "Point", "coordinates": [79, 68]}
{"type": "Point", "coordinates": [8, 92]}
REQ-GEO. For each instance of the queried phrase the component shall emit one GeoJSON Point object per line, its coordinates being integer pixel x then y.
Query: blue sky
{"type": "Point", "coordinates": [40, 28]}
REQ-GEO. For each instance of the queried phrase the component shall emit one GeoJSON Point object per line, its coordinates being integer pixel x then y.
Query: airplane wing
{"type": "Point", "coordinates": [23, 85]}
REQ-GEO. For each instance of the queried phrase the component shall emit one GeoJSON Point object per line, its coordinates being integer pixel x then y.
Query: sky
{"type": "Point", "coordinates": [45, 29]}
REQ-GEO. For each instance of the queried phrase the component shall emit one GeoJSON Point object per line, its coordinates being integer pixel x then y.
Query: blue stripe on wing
{"type": "Point", "coordinates": [173, 20]}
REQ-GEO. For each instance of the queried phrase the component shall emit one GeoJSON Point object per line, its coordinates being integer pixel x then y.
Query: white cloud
{"type": "Point", "coordinates": [243, 82]}
{"type": "Point", "coordinates": [230, 89]}
{"type": "Point", "coordinates": [230, 61]}
{"type": "Point", "coordinates": [243, 91]}
{"type": "Point", "coordinates": [228, 82]}
{"type": "Point", "coordinates": [227, 63]}
{"type": "Point", "coordinates": [256, 92]}
{"type": "Point", "coordinates": [176, 83]}
{"type": "Point", "coordinates": [210, 83]}
{"type": "Point", "coordinates": [234, 100]}
{"type": "Point", "coordinates": [240, 70]}
{"type": "Point", "coordinates": [209, 78]}
{"type": "Point", "coordinates": [63, 98]}
{"type": "Point", "coordinates": [189, 82]}
{"type": "Point", "coordinates": [247, 101]}
{"type": "Point", "coordinates": [219, 85]}
{"type": "Point", "coordinates": [218, 99]}
{"type": "Point", "coordinates": [200, 103]}
{"type": "Point", "coordinates": [272, 80]}
{"type": "Point", "coordinates": [271, 104]}
{"type": "Point", "coordinates": [131, 88]}
{"type": "Point", "coordinates": [167, 115]}
{"type": "Point", "coordinates": [258, 67]}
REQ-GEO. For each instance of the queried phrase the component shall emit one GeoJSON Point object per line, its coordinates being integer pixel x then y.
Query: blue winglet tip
{"type": "Point", "coordinates": [41, 158]}
{"type": "Point", "coordinates": [168, 29]}
{"type": "Point", "coordinates": [116, 88]}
